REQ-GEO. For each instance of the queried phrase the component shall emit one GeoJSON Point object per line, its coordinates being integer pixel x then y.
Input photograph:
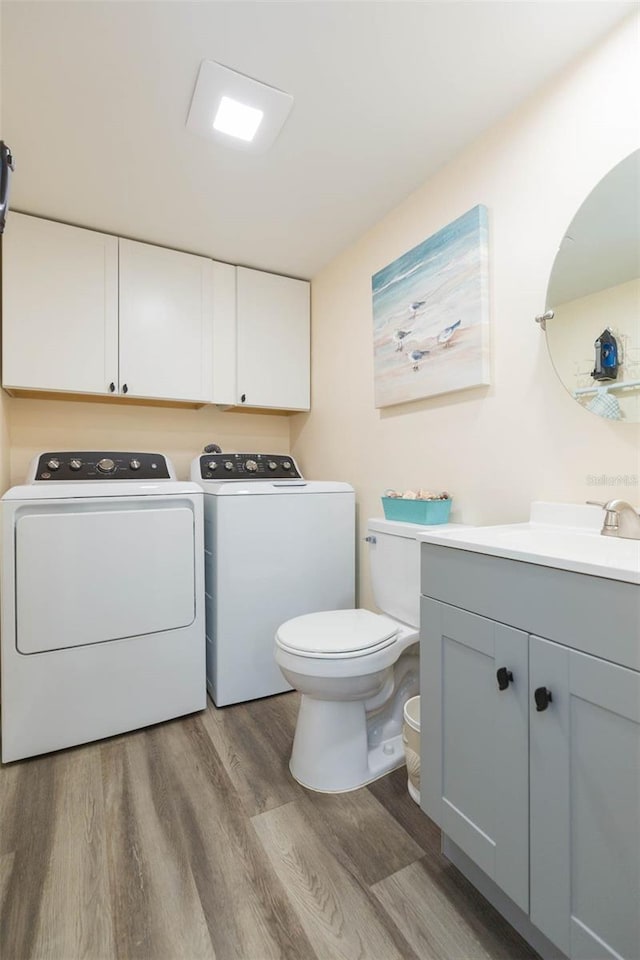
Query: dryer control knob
{"type": "Point", "coordinates": [134, 464]}
{"type": "Point", "coordinates": [75, 464]}
{"type": "Point", "coordinates": [228, 465]}
{"type": "Point", "coordinates": [53, 465]}
{"type": "Point", "coordinates": [251, 466]}
{"type": "Point", "coordinates": [106, 465]}
{"type": "Point", "coordinates": [212, 465]}
{"type": "Point", "coordinates": [286, 464]}
{"type": "Point", "coordinates": [272, 465]}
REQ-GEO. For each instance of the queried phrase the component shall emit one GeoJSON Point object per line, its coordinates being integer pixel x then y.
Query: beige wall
{"type": "Point", "coordinates": [37, 425]}
{"type": "Point", "coordinates": [495, 448]}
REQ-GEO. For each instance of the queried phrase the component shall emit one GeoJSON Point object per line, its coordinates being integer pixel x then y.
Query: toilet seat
{"type": "Point", "coordinates": [337, 634]}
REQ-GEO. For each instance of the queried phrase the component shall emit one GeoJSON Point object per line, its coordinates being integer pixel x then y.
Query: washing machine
{"type": "Point", "coordinates": [276, 546]}
{"type": "Point", "coordinates": [103, 625]}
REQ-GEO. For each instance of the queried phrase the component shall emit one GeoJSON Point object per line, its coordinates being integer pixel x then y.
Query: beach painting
{"type": "Point", "coordinates": [431, 315]}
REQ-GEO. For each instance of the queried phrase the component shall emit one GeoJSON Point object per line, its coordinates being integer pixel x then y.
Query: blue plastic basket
{"type": "Point", "coordinates": [426, 512]}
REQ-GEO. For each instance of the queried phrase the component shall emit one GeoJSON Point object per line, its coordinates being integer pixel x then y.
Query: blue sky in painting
{"type": "Point", "coordinates": [395, 284]}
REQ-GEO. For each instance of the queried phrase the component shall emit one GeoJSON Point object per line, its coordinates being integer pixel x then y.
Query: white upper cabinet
{"type": "Point", "coordinates": [60, 307]}
{"type": "Point", "coordinates": [166, 323]}
{"type": "Point", "coordinates": [224, 334]}
{"type": "Point", "coordinates": [86, 313]}
{"type": "Point", "coordinates": [273, 341]}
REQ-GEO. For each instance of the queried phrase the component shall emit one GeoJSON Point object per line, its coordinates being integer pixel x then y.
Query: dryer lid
{"type": "Point", "coordinates": [337, 632]}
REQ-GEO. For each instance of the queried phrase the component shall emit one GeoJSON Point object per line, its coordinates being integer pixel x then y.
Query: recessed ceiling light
{"type": "Point", "coordinates": [237, 119]}
{"type": "Point", "coordinates": [236, 110]}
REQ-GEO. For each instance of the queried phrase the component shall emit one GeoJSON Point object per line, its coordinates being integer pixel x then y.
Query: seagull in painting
{"type": "Point", "coordinates": [415, 306]}
{"type": "Point", "coordinates": [445, 335]}
{"type": "Point", "coordinates": [399, 337]}
{"type": "Point", "coordinates": [416, 356]}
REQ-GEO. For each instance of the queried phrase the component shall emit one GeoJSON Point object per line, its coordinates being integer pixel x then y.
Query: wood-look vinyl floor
{"type": "Point", "coordinates": [191, 841]}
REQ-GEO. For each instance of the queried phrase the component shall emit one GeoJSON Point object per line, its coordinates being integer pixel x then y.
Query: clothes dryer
{"type": "Point", "coordinates": [102, 600]}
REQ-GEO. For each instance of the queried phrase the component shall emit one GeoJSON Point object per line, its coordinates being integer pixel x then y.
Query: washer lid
{"type": "Point", "coordinates": [337, 632]}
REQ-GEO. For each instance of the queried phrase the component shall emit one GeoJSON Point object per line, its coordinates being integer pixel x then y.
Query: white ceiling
{"type": "Point", "coordinates": [95, 98]}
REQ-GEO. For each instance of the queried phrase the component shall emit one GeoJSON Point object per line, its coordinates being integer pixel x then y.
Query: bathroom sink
{"type": "Point", "coordinates": [566, 536]}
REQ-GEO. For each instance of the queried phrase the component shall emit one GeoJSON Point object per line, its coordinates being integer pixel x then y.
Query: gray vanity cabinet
{"type": "Point", "coordinates": [585, 804]}
{"type": "Point", "coordinates": [538, 783]}
{"type": "Point", "coordinates": [476, 780]}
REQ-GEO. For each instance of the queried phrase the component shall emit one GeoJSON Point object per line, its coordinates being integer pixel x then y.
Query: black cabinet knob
{"type": "Point", "coordinates": [504, 677]}
{"type": "Point", "coordinates": [125, 388]}
{"type": "Point", "coordinates": [112, 387]}
{"type": "Point", "coordinates": [243, 398]}
{"type": "Point", "coordinates": [543, 698]}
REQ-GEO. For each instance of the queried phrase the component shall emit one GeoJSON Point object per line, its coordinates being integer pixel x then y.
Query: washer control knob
{"type": "Point", "coordinates": [212, 465]}
{"type": "Point", "coordinates": [251, 466]}
{"type": "Point", "coordinates": [286, 464]}
{"type": "Point", "coordinates": [272, 465]}
{"type": "Point", "coordinates": [228, 465]}
{"type": "Point", "coordinates": [106, 465]}
{"type": "Point", "coordinates": [134, 464]}
{"type": "Point", "coordinates": [75, 464]}
{"type": "Point", "coordinates": [53, 464]}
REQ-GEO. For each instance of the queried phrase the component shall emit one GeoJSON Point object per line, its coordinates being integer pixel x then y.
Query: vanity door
{"type": "Point", "coordinates": [474, 687]}
{"type": "Point", "coordinates": [585, 803]}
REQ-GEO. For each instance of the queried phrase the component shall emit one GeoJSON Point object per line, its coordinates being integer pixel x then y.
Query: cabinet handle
{"type": "Point", "coordinates": [112, 387]}
{"type": "Point", "coordinates": [125, 388]}
{"type": "Point", "coordinates": [243, 398]}
{"type": "Point", "coordinates": [543, 698]}
{"type": "Point", "coordinates": [504, 677]}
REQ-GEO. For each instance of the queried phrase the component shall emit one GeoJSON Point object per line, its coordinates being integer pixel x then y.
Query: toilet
{"type": "Point", "coordinates": [355, 670]}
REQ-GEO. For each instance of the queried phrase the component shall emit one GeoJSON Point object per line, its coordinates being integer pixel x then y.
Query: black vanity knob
{"type": "Point", "coordinates": [543, 698]}
{"type": "Point", "coordinates": [243, 398]}
{"type": "Point", "coordinates": [125, 388]}
{"type": "Point", "coordinates": [112, 387]}
{"type": "Point", "coordinates": [505, 677]}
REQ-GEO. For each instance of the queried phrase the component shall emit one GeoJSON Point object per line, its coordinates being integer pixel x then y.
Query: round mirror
{"type": "Point", "coordinates": [594, 295]}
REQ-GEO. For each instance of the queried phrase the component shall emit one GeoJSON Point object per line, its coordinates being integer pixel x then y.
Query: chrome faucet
{"type": "Point", "coordinates": [620, 519]}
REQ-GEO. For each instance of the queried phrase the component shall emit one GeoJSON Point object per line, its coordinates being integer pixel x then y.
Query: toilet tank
{"type": "Point", "coordinates": [394, 559]}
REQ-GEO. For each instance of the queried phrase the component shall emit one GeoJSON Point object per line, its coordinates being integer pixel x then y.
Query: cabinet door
{"type": "Point", "coordinates": [273, 340]}
{"type": "Point", "coordinates": [60, 307]}
{"type": "Point", "coordinates": [224, 333]}
{"type": "Point", "coordinates": [166, 323]}
{"type": "Point", "coordinates": [475, 740]}
{"type": "Point", "coordinates": [585, 804]}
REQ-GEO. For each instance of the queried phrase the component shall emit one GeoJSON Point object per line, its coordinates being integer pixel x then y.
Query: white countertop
{"type": "Point", "coordinates": [562, 535]}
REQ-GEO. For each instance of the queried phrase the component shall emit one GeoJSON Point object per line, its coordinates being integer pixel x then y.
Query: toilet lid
{"type": "Point", "coordinates": [335, 633]}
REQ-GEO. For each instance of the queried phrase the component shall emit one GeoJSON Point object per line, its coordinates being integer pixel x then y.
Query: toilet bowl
{"type": "Point", "coordinates": [355, 669]}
